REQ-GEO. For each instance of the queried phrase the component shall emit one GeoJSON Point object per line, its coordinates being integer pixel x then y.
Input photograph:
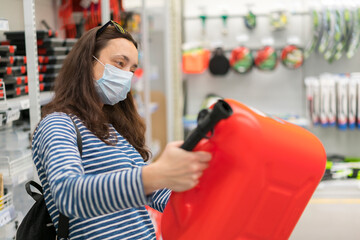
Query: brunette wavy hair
{"type": "Point", "coordinates": [75, 93]}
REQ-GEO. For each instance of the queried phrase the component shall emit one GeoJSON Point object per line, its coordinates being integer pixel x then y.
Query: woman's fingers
{"type": "Point", "coordinates": [176, 143]}
{"type": "Point", "coordinates": [181, 169]}
{"type": "Point", "coordinates": [203, 156]}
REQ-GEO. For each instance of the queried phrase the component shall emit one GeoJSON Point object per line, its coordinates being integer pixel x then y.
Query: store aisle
{"type": "Point", "coordinates": [332, 214]}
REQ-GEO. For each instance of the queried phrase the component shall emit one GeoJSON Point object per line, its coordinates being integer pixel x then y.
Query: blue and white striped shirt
{"type": "Point", "coordinates": [101, 192]}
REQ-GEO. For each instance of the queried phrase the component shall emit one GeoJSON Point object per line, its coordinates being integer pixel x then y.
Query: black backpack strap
{"type": "Point", "coordinates": [63, 229]}
{"type": "Point", "coordinates": [34, 195]}
{"type": "Point", "coordinates": [78, 137]}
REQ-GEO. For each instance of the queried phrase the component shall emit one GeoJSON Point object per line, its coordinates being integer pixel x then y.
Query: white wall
{"type": "Point", "coordinates": [13, 11]}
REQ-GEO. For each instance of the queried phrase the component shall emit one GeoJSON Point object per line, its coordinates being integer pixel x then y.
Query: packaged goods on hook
{"type": "Point", "coordinates": [266, 57]}
{"type": "Point", "coordinates": [339, 166]}
{"type": "Point", "coordinates": [292, 56]}
{"type": "Point", "coordinates": [333, 100]}
{"type": "Point", "coordinates": [241, 58]}
{"type": "Point", "coordinates": [278, 16]}
{"type": "Point", "coordinates": [336, 30]}
{"type": "Point", "coordinates": [354, 38]}
{"type": "Point", "coordinates": [250, 20]}
{"type": "Point", "coordinates": [219, 64]}
{"type": "Point", "coordinates": [195, 59]}
{"type": "Point", "coordinates": [317, 33]}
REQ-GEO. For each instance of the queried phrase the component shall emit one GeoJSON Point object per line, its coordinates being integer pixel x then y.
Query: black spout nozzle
{"type": "Point", "coordinates": [221, 110]}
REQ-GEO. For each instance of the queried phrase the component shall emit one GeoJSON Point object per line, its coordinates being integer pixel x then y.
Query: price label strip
{"type": "Point", "coordinates": [25, 104]}
{"type": "Point", "coordinates": [5, 217]}
{"type": "Point", "coordinates": [12, 115]}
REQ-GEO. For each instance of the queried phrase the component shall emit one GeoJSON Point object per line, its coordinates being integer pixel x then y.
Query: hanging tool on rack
{"type": "Point", "coordinates": [328, 29]}
{"type": "Point", "coordinates": [266, 58]}
{"type": "Point", "coordinates": [354, 40]}
{"type": "Point", "coordinates": [224, 18]}
{"type": "Point", "coordinates": [250, 18]}
{"type": "Point", "coordinates": [203, 17]}
{"type": "Point", "coordinates": [241, 59]}
{"type": "Point", "coordinates": [292, 56]}
{"type": "Point", "coordinates": [219, 64]}
{"type": "Point", "coordinates": [317, 32]}
{"type": "Point", "coordinates": [278, 18]}
{"type": "Point", "coordinates": [337, 36]}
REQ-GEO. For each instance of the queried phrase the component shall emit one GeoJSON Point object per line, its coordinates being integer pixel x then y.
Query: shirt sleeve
{"type": "Point", "coordinates": [159, 199]}
{"type": "Point", "coordinates": [77, 194]}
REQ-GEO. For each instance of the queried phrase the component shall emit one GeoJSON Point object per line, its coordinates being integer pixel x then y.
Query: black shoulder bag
{"type": "Point", "coordinates": [37, 222]}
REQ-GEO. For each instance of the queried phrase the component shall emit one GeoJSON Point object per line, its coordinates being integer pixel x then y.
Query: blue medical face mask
{"type": "Point", "coordinates": [114, 85]}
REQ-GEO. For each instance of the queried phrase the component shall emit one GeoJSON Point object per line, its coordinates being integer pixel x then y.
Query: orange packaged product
{"type": "Point", "coordinates": [195, 61]}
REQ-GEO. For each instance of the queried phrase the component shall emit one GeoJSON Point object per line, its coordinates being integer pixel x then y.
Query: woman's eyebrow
{"type": "Point", "coordinates": [121, 56]}
{"type": "Point", "coordinates": [125, 58]}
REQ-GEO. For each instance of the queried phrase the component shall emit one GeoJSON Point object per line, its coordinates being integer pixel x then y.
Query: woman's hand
{"type": "Point", "coordinates": [175, 169]}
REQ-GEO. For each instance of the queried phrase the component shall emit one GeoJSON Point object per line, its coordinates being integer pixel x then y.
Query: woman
{"type": "Point", "coordinates": [104, 191]}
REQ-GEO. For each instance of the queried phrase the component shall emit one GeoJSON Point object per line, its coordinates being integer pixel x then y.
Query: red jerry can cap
{"type": "Point", "coordinates": [262, 174]}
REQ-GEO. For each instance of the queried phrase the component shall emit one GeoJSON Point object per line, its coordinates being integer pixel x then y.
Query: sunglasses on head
{"type": "Point", "coordinates": [113, 23]}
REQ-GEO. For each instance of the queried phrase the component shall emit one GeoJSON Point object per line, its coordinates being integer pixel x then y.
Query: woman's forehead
{"type": "Point", "coordinates": [120, 46]}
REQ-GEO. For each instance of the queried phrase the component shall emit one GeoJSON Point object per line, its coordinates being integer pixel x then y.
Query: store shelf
{"type": "Point", "coordinates": [16, 170]}
{"type": "Point", "coordinates": [8, 231]}
{"type": "Point", "coordinates": [7, 210]}
{"type": "Point", "coordinates": [341, 184]}
{"type": "Point", "coordinates": [22, 103]}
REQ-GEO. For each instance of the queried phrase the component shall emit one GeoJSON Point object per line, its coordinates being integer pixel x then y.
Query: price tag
{"type": "Point", "coordinates": [12, 115]}
{"type": "Point", "coordinates": [5, 218]}
{"type": "Point", "coordinates": [267, 41]}
{"type": "Point", "coordinates": [4, 24]}
{"type": "Point", "coordinates": [243, 38]}
{"type": "Point", "coordinates": [25, 104]}
{"type": "Point", "coordinates": [294, 40]}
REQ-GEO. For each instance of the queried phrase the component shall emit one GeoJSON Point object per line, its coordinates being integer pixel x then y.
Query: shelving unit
{"type": "Point", "coordinates": [16, 165]}
{"type": "Point", "coordinates": [16, 170]}
{"type": "Point", "coordinates": [23, 102]}
{"type": "Point", "coordinates": [7, 210]}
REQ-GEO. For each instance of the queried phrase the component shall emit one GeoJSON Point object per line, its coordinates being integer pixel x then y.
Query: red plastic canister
{"type": "Point", "coordinates": [262, 175]}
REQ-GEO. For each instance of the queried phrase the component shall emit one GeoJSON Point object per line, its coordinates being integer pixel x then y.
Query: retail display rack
{"type": "Point", "coordinates": [20, 86]}
{"type": "Point", "coordinates": [7, 210]}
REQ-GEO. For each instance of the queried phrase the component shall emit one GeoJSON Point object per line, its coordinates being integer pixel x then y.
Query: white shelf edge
{"type": "Point", "coordinates": [16, 171]}
{"type": "Point", "coordinates": [23, 102]}
{"type": "Point", "coordinates": [7, 210]}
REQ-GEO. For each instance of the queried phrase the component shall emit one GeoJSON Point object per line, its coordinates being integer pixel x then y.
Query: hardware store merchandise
{"type": "Point", "coordinates": [271, 89]}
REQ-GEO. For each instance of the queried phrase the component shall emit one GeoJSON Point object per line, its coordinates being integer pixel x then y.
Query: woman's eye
{"type": "Point", "coordinates": [121, 64]}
